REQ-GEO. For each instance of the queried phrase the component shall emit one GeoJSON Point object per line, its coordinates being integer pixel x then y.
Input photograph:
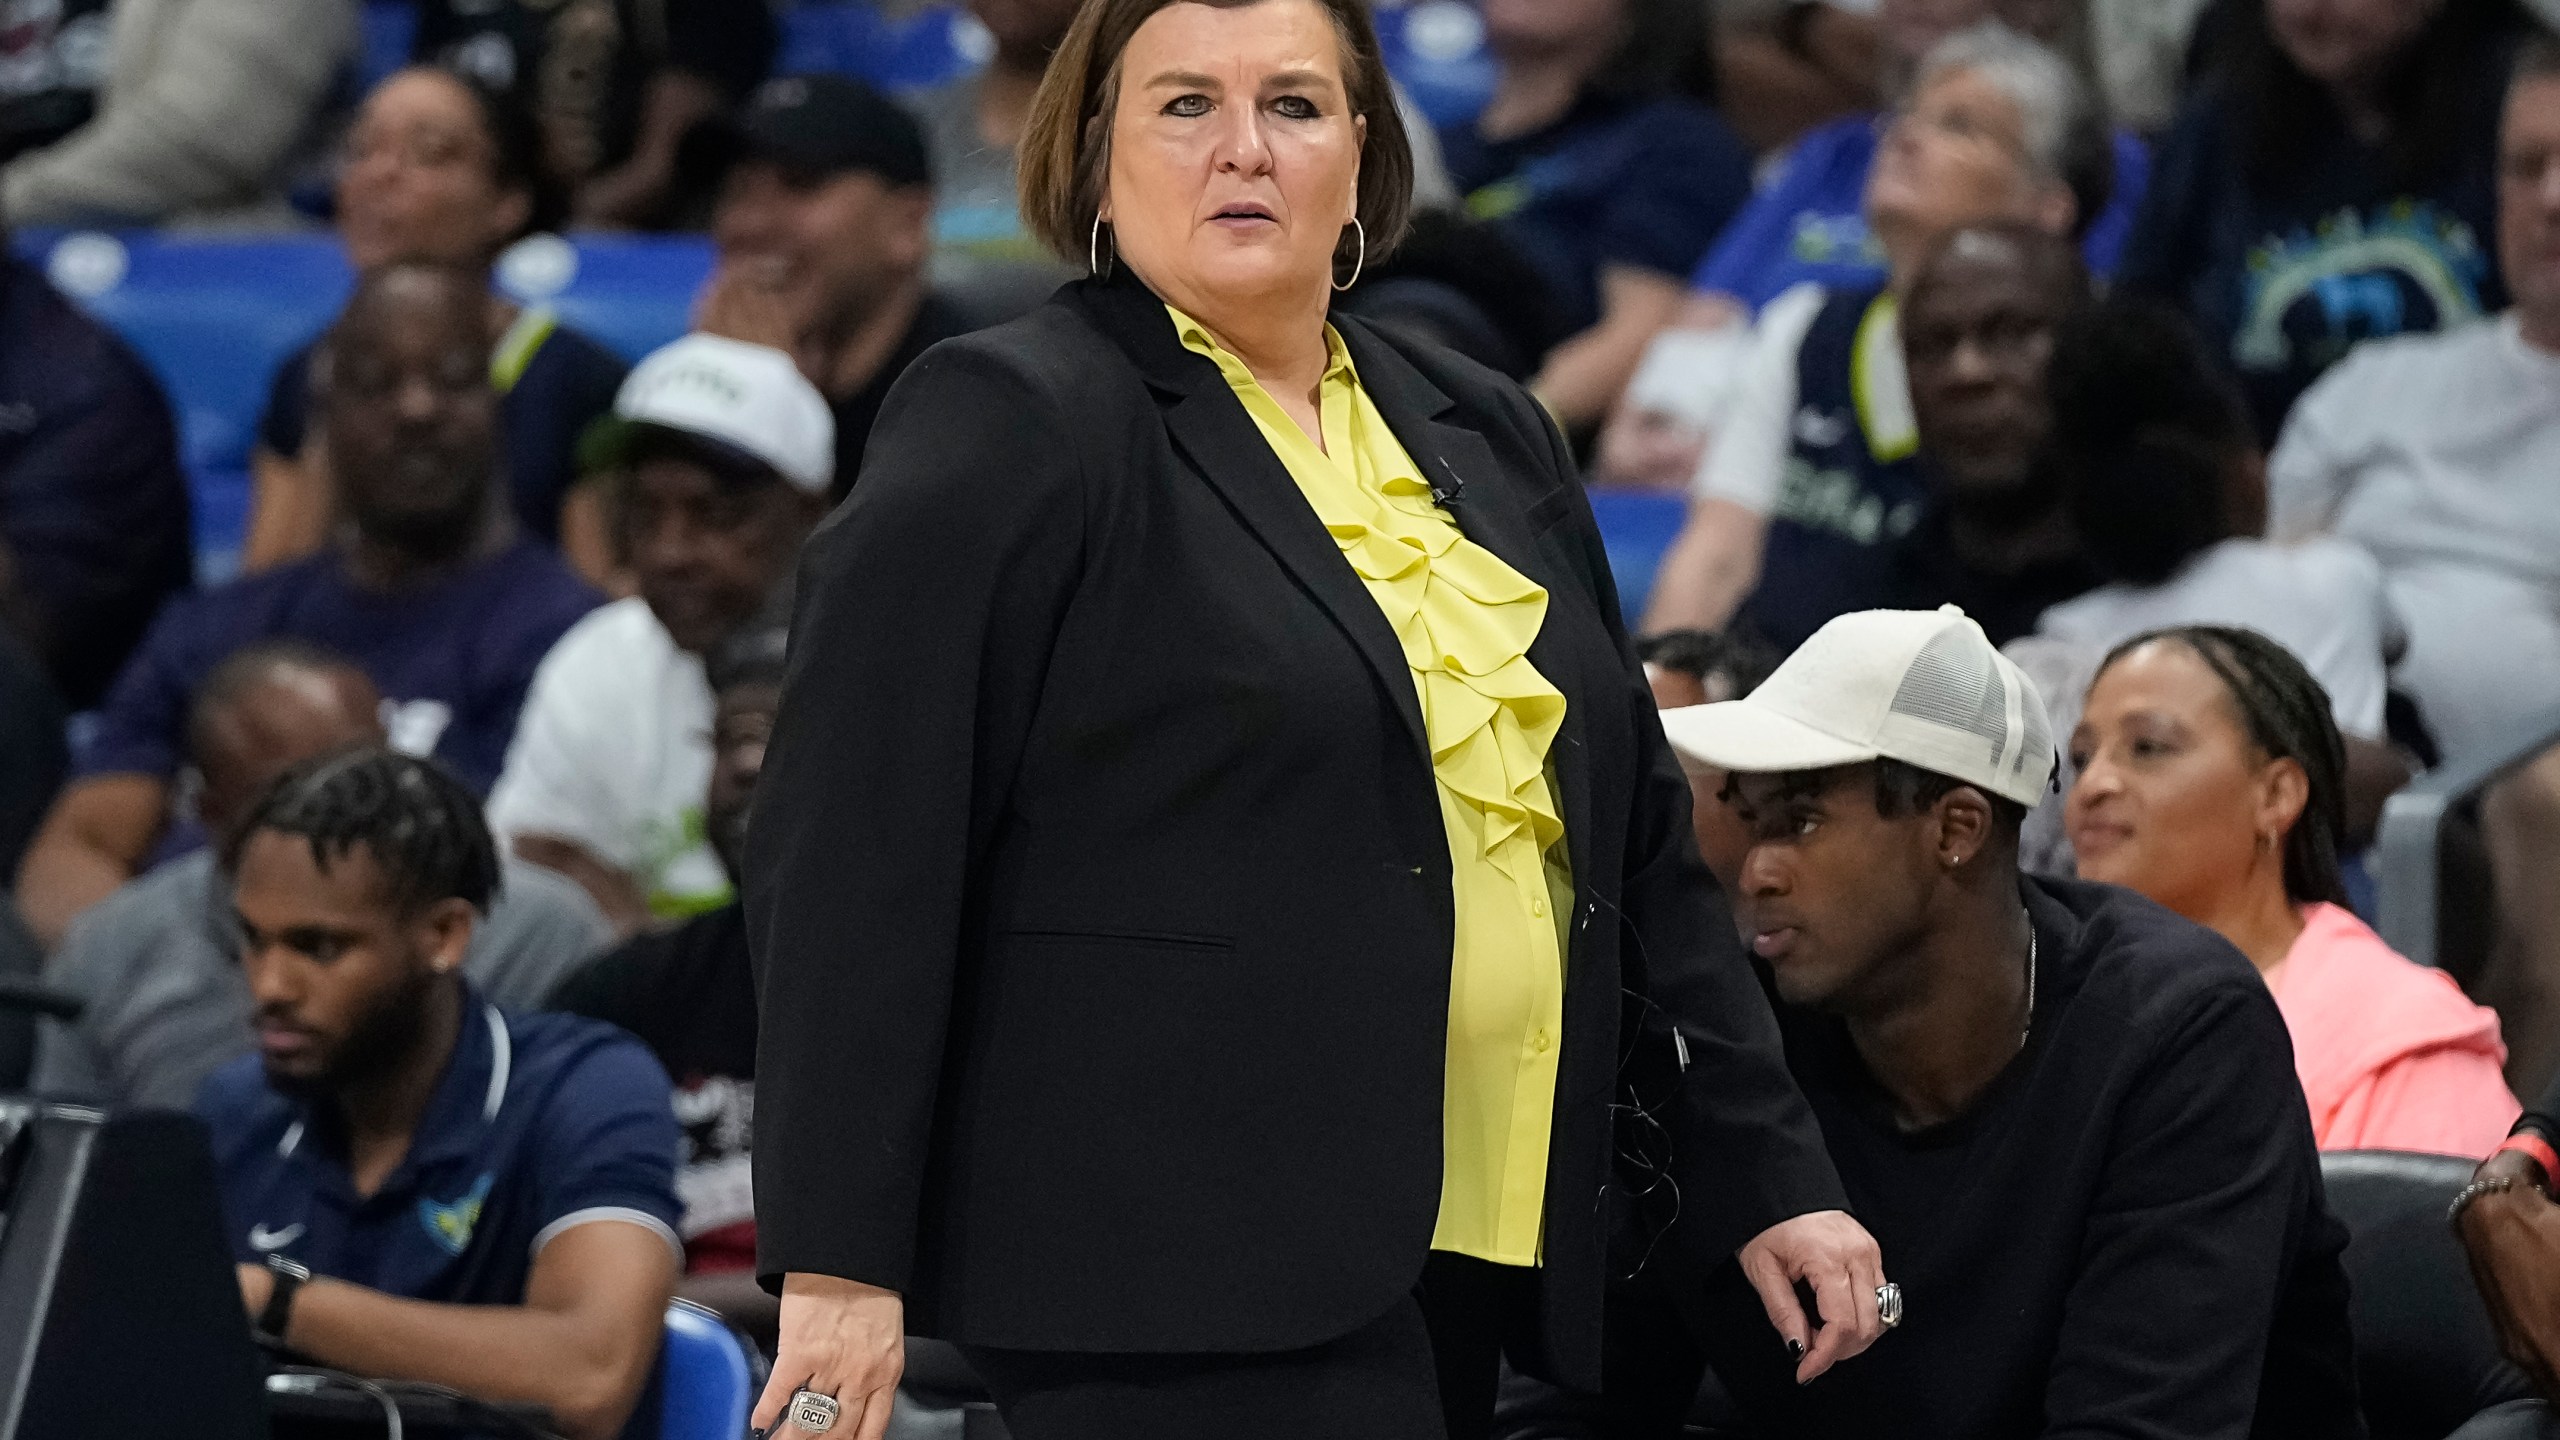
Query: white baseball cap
{"type": "Point", "coordinates": [1924, 687]}
{"type": "Point", "coordinates": [750, 398]}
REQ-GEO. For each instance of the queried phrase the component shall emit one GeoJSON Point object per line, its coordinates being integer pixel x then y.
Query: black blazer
{"type": "Point", "coordinates": [1098, 888]}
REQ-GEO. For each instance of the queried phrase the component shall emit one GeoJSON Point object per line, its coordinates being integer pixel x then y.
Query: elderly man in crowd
{"type": "Point", "coordinates": [725, 454]}
{"type": "Point", "coordinates": [2070, 1115]}
{"type": "Point", "coordinates": [157, 964]}
{"type": "Point", "coordinates": [1977, 332]}
{"type": "Point", "coordinates": [428, 589]}
{"type": "Point", "coordinates": [1811, 476]}
{"type": "Point", "coordinates": [417, 1185]}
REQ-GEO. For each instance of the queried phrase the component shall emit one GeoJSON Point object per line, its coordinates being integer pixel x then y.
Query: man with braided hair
{"type": "Point", "coordinates": [417, 1185]}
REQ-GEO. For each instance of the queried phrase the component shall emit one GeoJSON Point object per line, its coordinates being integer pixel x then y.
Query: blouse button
{"type": "Point", "coordinates": [1540, 1042]}
{"type": "Point", "coordinates": [1538, 906]}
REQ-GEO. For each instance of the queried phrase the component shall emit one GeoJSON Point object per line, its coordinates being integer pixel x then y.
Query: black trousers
{"type": "Point", "coordinates": [1425, 1370]}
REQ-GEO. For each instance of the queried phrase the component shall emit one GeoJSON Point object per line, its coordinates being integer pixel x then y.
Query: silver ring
{"type": "Point", "coordinates": [814, 1412]}
{"type": "Point", "coordinates": [1889, 1304]}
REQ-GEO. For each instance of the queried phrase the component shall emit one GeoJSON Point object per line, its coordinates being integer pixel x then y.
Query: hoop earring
{"type": "Point", "coordinates": [1093, 248]}
{"type": "Point", "coordinates": [1358, 264]}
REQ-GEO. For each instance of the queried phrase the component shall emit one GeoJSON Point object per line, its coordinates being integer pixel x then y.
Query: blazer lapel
{"type": "Point", "coordinates": [1211, 429]}
{"type": "Point", "coordinates": [1490, 512]}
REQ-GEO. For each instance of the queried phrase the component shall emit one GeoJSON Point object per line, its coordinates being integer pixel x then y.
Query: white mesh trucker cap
{"type": "Point", "coordinates": [750, 398]}
{"type": "Point", "coordinates": [1924, 687]}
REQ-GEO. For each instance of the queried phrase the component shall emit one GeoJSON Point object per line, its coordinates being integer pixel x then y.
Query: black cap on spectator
{"type": "Point", "coordinates": [828, 124]}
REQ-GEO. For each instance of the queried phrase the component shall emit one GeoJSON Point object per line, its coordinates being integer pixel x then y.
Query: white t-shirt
{"type": "Point", "coordinates": [614, 753]}
{"type": "Point", "coordinates": [1746, 461]}
{"type": "Point", "coordinates": [2322, 599]}
{"type": "Point", "coordinates": [2441, 455]}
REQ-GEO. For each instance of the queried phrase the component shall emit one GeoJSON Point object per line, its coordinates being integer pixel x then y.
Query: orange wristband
{"type": "Point", "coordinates": [2536, 1149]}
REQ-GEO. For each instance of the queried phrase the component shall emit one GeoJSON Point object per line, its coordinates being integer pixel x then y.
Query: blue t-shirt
{"type": "Point", "coordinates": [540, 1123]}
{"type": "Point", "coordinates": [2287, 280]}
{"type": "Point", "coordinates": [452, 657]}
{"type": "Point", "coordinates": [552, 383]}
{"type": "Point", "coordinates": [1809, 222]}
{"type": "Point", "coordinates": [1617, 181]}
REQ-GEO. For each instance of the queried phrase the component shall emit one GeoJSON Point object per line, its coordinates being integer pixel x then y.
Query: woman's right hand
{"type": "Point", "coordinates": [841, 1338]}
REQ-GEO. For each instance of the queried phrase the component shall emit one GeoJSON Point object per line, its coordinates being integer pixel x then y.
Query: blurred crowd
{"type": "Point", "coordinates": [2096, 318]}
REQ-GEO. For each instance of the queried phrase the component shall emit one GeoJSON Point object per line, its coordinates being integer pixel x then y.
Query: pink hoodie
{"type": "Point", "coordinates": [2393, 1056]}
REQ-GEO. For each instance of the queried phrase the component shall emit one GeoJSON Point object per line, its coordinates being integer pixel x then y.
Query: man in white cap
{"type": "Point", "coordinates": [2069, 1115]}
{"type": "Point", "coordinates": [723, 455]}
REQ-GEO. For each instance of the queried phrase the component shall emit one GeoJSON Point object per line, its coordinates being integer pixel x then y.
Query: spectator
{"type": "Point", "coordinates": [2168, 494]}
{"type": "Point", "coordinates": [973, 125]}
{"type": "Point", "coordinates": [1977, 334]}
{"type": "Point", "coordinates": [1809, 223]}
{"type": "Point", "coordinates": [428, 588]}
{"type": "Point", "coordinates": [726, 455]}
{"type": "Point", "coordinates": [2511, 1232]}
{"type": "Point", "coordinates": [2212, 780]}
{"type": "Point", "coordinates": [443, 170]}
{"type": "Point", "coordinates": [823, 235]}
{"type": "Point", "coordinates": [689, 995]}
{"type": "Point", "coordinates": [158, 962]}
{"type": "Point", "coordinates": [1699, 667]}
{"type": "Point", "coordinates": [417, 1185]}
{"type": "Point", "coordinates": [2331, 183]}
{"type": "Point", "coordinates": [2069, 1120]}
{"type": "Point", "coordinates": [2436, 454]}
{"type": "Point", "coordinates": [1814, 464]}
{"type": "Point", "coordinates": [134, 112]}
{"type": "Point", "coordinates": [619, 85]}
{"type": "Point", "coordinates": [1597, 159]}
{"type": "Point", "coordinates": [93, 507]}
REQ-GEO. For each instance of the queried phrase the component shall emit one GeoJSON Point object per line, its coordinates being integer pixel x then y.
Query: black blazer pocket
{"type": "Point", "coordinates": [1549, 512]}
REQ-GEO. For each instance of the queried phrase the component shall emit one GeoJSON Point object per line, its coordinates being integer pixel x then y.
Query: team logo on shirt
{"type": "Point", "coordinates": [450, 1224]}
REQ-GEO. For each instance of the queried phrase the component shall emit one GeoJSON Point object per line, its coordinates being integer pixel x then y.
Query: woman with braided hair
{"type": "Point", "coordinates": [2211, 779]}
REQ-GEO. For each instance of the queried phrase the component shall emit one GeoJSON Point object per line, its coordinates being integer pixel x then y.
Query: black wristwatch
{"type": "Point", "coordinates": [278, 1314]}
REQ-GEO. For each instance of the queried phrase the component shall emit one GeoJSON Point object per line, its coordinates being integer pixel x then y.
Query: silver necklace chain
{"type": "Point", "coordinates": [2028, 1027]}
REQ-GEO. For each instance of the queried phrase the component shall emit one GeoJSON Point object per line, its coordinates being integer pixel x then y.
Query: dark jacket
{"type": "Point", "coordinates": [93, 506]}
{"type": "Point", "coordinates": [1098, 889]}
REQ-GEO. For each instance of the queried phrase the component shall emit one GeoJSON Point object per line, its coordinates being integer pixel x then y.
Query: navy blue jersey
{"type": "Point", "coordinates": [540, 1124]}
{"type": "Point", "coordinates": [1848, 494]}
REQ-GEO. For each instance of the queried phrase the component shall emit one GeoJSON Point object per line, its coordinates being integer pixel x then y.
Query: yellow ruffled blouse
{"type": "Point", "coordinates": [1466, 620]}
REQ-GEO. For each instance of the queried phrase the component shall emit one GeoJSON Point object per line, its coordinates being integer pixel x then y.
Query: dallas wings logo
{"type": "Point", "coordinates": [450, 1224]}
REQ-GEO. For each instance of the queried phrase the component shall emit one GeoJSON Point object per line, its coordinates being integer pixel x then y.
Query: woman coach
{"type": "Point", "coordinates": [1211, 821]}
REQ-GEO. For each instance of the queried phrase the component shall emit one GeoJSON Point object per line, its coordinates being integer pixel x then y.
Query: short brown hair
{"type": "Point", "coordinates": [1065, 152]}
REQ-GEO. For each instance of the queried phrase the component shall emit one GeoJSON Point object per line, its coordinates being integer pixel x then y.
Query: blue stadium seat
{"type": "Point", "coordinates": [709, 1383]}
{"type": "Point", "coordinates": [922, 51]}
{"type": "Point", "coordinates": [632, 292]}
{"type": "Point", "coordinates": [1636, 526]}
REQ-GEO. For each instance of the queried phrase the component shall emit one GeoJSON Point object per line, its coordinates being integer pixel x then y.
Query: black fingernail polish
{"type": "Point", "coordinates": [1796, 1348]}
